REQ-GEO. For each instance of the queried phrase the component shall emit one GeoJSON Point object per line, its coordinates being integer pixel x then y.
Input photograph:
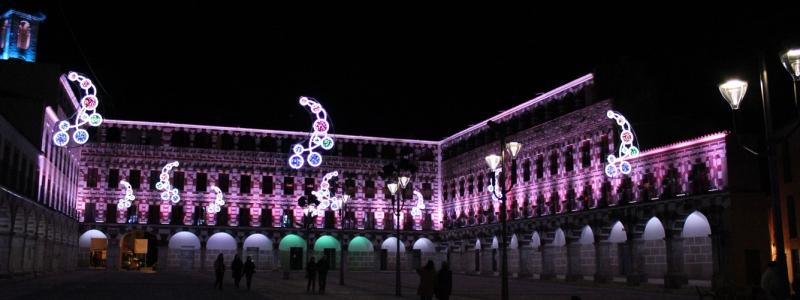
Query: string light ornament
{"type": "Point", "coordinates": [494, 189]}
{"type": "Point", "coordinates": [125, 202]}
{"type": "Point", "coordinates": [323, 195]}
{"type": "Point", "coordinates": [416, 211]}
{"type": "Point", "coordinates": [168, 192]}
{"type": "Point", "coordinates": [319, 137]}
{"type": "Point", "coordinates": [216, 206]}
{"type": "Point", "coordinates": [628, 149]}
{"type": "Point", "coordinates": [87, 114]}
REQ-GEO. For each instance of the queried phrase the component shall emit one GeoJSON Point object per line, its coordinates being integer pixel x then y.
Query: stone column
{"type": "Point", "coordinates": [634, 261]}
{"type": "Point", "coordinates": [5, 253]}
{"type": "Point", "coordinates": [574, 261]}
{"type": "Point", "coordinates": [602, 250]}
{"type": "Point", "coordinates": [112, 257]}
{"type": "Point", "coordinates": [548, 262]}
{"type": "Point", "coordinates": [675, 277]}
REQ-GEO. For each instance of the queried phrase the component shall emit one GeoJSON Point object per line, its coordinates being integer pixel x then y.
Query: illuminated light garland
{"type": "Point", "coordinates": [87, 113]}
{"type": "Point", "coordinates": [629, 148]}
{"type": "Point", "coordinates": [125, 202]}
{"type": "Point", "coordinates": [495, 188]}
{"type": "Point", "coordinates": [324, 195]}
{"type": "Point", "coordinates": [416, 211]}
{"type": "Point", "coordinates": [219, 201]}
{"type": "Point", "coordinates": [169, 193]}
{"type": "Point", "coordinates": [319, 137]}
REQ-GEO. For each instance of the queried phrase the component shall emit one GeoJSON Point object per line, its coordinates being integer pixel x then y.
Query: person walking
{"type": "Point", "coordinates": [219, 271]}
{"type": "Point", "coordinates": [427, 281]}
{"type": "Point", "coordinates": [444, 282]}
{"type": "Point", "coordinates": [322, 271]}
{"type": "Point", "coordinates": [311, 274]}
{"type": "Point", "coordinates": [237, 267]}
{"type": "Point", "coordinates": [249, 269]}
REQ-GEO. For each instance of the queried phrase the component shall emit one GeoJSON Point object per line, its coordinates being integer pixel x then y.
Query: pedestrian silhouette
{"type": "Point", "coordinates": [237, 267]}
{"type": "Point", "coordinates": [444, 282]}
{"type": "Point", "coordinates": [427, 281]}
{"type": "Point", "coordinates": [249, 269]}
{"type": "Point", "coordinates": [311, 274]}
{"type": "Point", "coordinates": [219, 271]}
{"type": "Point", "coordinates": [322, 271]}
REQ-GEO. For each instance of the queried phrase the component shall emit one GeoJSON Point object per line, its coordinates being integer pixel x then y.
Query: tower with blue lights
{"type": "Point", "coordinates": [18, 35]}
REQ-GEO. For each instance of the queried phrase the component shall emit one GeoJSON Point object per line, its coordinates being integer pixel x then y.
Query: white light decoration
{"type": "Point", "coordinates": [87, 114]}
{"type": "Point", "coordinates": [627, 149]}
{"type": "Point", "coordinates": [494, 189]}
{"type": "Point", "coordinates": [324, 195]}
{"type": "Point", "coordinates": [168, 192]}
{"type": "Point", "coordinates": [215, 207]}
{"type": "Point", "coordinates": [416, 211]}
{"type": "Point", "coordinates": [319, 137]}
{"type": "Point", "coordinates": [125, 202]}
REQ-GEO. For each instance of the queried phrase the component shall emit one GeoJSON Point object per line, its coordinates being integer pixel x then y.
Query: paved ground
{"type": "Point", "coordinates": [372, 285]}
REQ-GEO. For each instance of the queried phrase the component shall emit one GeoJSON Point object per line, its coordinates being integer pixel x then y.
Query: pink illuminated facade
{"type": "Point", "coordinates": [567, 218]}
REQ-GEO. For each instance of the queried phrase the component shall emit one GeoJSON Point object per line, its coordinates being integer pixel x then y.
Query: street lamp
{"type": "Point", "coordinates": [397, 205]}
{"type": "Point", "coordinates": [345, 198]}
{"type": "Point", "coordinates": [498, 188]}
{"type": "Point", "coordinates": [733, 92]}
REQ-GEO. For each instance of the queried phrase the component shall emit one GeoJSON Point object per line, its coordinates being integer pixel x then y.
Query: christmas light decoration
{"type": "Point", "coordinates": [87, 114]}
{"type": "Point", "coordinates": [323, 195]}
{"type": "Point", "coordinates": [627, 149]}
{"type": "Point", "coordinates": [168, 192]}
{"type": "Point", "coordinates": [215, 207]}
{"type": "Point", "coordinates": [319, 137]}
{"type": "Point", "coordinates": [416, 211]}
{"type": "Point", "coordinates": [125, 202]}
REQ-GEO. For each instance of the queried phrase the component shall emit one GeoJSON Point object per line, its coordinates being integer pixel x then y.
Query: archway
{"type": "Point", "coordinates": [330, 248]}
{"type": "Point", "coordinates": [388, 252]}
{"type": "Point", "coordinates": [184, 251]}
{"type": "Point", "coordinates": [138, 251]}
{"type": "Point", "coordinates": [259, 247]}
{"type": "Point", "coordinates": [653, 253]}
{"type": "Point", "coordinates": [93, 243]}
{"type": "Point", "coordinates": [617, 234]}
{"type": "Point", "coordinates": [292, 248]}
{"type": "Point", "coordinates": [424, 250]}
{"type": "Point", "coordinates": [360, 254]}
{"type": "Point", "coordinates": [696, 233]}
{"type": "Point", "coordinates": [220, 243]}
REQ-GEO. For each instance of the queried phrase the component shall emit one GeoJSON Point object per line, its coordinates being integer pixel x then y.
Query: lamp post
{"type": "Point", "coordinates": [499, 188]}
{"type": "Point", "coordinates": [345, 198]}
{"type": "Point", "coordinates": [733, 92]}
{"type": "Point", "coordinates": [397, 205]}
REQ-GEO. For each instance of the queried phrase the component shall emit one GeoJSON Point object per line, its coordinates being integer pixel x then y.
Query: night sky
{"type": "Point", "coordinates": [414, 72]}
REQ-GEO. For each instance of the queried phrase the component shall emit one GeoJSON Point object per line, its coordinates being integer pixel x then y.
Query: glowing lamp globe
{"type": "Point", "coordinates": [493, 161]}
{"type": "Point", "coordinates": [513, 148]}
{"type": "Point", "coordinates": [403, 181]}
{"type": "Point", "coordinates": [733, 91]}
{"type": "Point", "coordinates": [791, 61]}
{"type": "Point", "coordinates": [392, 188]}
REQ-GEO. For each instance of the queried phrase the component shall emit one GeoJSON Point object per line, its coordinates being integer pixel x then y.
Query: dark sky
{"type": "Point", "coordinates": [416, 72]}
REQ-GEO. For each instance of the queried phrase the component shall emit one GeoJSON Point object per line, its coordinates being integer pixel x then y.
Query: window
{"type": "Point", "coordinates": [113, 135]}
{"type": "Point", "coordinates": [179, 139]}
{"type": "Point", "coordinates": [480, 183]}
{"type": "Point", "coordinates": [603, 148]}
{"type": "Point", "coordinates": [427, 191]}
{"type": "Point", "coordinates": [471, 185]}
{"type": "Point", "coordinates": [24, 35]}
{"type": "Point", "coordinates": [792, 213]}
{"type": "Point", "coordinates": [461, 188]}
{"type": "Point", "coordinates": [266, 185]}
{"type": "Point", "coordinates": [201, 182]}
{"type": "Point", "coordinates": [586, 156]}
{"type": "Point", "coordinates": [369, 189]}
{"type": "Point", "coordinates": [539, 167]}
{"type": "Point", "coordinates": [226, 142]}
{"type": "Point", "coordinates": [178, 180]}
{"type": "Point", "coordinates": [247, 143]}
{"type": "Point", "coordinates": [288, 185]}
{"type": "Point", "coordinates": [91, 178]}
{"type": "Point", "coordinates": [135, 178]}
{"type": "Point", "coordinates": [569, 161]}
{"type": "Point", "coordinates": [202, 140]}
{"type": "Point", "coordinates": [308, 187]}
{"type": "Point", "coordinates": [176, 218]}
{"type": "Point", "coordinates": [526, 171]}
{"type": "Point", "coordinates": [154, 178]}
{"type": "Point", "coordinates": [350, 187]}
{"type": "Point", "coordinates": [388, 152]}
{"type": "Point", "coordinates": [223, 182]}
{"type": "Point", "coordinates": [244, 184]}
{"type": "Point", "coordinates": [113, 178]}
{"type": "Point", "coordinates": [553, 163]}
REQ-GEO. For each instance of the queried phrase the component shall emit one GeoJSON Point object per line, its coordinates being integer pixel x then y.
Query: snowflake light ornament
{"type": "Point", "coordinates": [628, 148]}
{"type": "Point", "coordinates": [319, 137]}
{"type": "Point", "coordinates": [87, 114]}
{"type": "Point", "coordinates": [168, 192]}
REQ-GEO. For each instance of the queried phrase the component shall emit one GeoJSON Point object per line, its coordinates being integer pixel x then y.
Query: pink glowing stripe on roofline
{"type": "Point", "coordinates": [683, 144]}
{"type": "Point", "coordinates": [551, 93]}
{"type": "Point", "coordinates": [265, 131]}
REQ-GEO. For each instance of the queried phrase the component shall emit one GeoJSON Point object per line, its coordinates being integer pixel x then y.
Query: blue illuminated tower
{"type": "Point", "coordinates": [18, 35]}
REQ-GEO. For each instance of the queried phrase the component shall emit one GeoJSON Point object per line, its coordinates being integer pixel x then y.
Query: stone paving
{"type": "Point", "coordinates": [115, 285]}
